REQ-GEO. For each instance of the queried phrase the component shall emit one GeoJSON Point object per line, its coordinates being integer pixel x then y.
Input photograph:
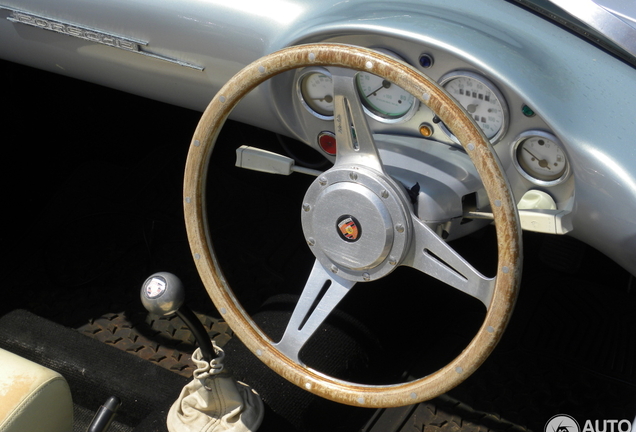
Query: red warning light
{"type": "Point", "coordinates": [327, 142]}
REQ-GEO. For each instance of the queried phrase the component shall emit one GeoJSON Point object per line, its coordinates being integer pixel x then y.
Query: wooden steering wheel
{"type": "Point", "coordinates": [360, 225]}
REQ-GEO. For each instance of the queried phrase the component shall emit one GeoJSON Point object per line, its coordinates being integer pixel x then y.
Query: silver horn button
{"type": "Point", "coordinates": [370, 239]}
{"type": "Point", "coordinates": [358, 227]}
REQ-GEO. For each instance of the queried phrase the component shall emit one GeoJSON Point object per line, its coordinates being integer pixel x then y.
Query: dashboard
{"type": "Point", "coordinates": [557, 108]}
{"type": "Point", "coordinates": [534, 158]}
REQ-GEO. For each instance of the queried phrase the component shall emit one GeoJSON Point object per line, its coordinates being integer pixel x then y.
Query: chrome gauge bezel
{"type": "Point", "coordinates": [445, 79]}
{"type": "Point", "coordinates": [515, 149]}
{"type": "Point", "coordinates": [304, 74]}
{"type": "Point", "coordinates": [369, 111]}
{"type": "Point", "coordinates": [378, 116]}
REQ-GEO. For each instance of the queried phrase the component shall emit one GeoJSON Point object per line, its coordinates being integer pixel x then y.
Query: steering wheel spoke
{"type": "Point", "coordinates": [430, 254]}
{"type": "Point", "coordinates": [355, 140]}
{"type": "Point", "coordinates": [322, 293]}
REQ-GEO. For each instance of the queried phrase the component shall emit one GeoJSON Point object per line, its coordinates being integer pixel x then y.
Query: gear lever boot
{"type": "Point", "coordinates": [213, 401]}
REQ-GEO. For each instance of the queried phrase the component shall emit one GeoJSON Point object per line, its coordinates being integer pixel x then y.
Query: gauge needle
{"type": "Point", "coordinates": [327, 99]}
{"type": "Point", "coordinates": [385, 84]}
{"type": "Point", "coordinates": [542, 162]}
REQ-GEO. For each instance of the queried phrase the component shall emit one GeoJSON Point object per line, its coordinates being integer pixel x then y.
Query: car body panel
{"type": "Point", "coordinates": [581, 94]}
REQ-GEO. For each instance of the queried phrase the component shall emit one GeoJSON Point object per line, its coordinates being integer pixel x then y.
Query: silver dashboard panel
{"type": "Point", "coordinates": [581, 94]}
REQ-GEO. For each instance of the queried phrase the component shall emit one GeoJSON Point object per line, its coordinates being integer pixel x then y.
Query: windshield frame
{"type": "Point", "coordinates": [591, 30]}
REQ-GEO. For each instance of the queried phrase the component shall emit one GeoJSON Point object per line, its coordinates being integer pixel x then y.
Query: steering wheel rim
{"type": "Point", "coordinates": [506, 281]}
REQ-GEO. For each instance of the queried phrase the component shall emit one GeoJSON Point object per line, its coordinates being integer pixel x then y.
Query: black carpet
{"type": "Point", "coordinates": [94, 371]}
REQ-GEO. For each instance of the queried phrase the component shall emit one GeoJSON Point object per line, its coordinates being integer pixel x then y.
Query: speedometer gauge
{"type": "Point", "coordinates": [483, 101]}
{"type": "Point", "coordinates": [384, 100]}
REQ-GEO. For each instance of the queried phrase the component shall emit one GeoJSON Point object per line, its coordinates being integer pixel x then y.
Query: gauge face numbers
{"type": "Point", "coordinates": [315, 88]}
{"type": "Point", "coordinates": [540, 158]}
{"type": "Point", "coordinates": [384, 100]}
{"type": "Point", "coordinates": [483, 101]}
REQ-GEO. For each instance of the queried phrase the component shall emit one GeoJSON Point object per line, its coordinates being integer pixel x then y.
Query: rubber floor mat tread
{"type": "Point", "coordinates": [166, 341]}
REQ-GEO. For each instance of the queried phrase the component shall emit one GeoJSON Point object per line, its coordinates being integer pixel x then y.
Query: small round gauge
{"type": "Point", "coordinates": [483, 101]}
{"type": "Point", "coordinates": [540, 158]}
{"type": "Point", "coordinates": [384, 100]}
{"type": "Point", "coordinates": [315, 88]}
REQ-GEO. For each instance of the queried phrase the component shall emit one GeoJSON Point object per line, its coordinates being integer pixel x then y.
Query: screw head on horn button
{"type": "Point", "coordinates": [349, 228]}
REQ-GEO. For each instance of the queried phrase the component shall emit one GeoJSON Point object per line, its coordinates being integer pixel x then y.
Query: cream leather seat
{"type": "Point", "coordinates": [32, 397]}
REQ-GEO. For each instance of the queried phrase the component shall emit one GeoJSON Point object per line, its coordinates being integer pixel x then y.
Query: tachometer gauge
{"type": "Point", "coordinates": [384, 100]}
{"type": "Point", "coordinates": [483, 101]}
{"type": "Point", "coordinates": [315, 88]}
{"type": "Point", "coordinates": [540, 158]}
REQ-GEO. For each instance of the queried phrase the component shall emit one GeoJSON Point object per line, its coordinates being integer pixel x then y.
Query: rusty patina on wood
{"type": "Point", "coordinates": [471, 138]}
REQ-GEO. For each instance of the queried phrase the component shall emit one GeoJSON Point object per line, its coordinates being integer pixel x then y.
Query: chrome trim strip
{"type": "Point", "coordinates": [89, 34]}
{"type": "Point", "coordinates": [601, 20]}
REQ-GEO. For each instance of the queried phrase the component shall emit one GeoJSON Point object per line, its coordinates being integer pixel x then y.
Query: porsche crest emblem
{"type": "Point", "coordinates": [349, 228]}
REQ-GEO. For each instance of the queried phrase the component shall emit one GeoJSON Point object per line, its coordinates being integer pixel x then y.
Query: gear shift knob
{"type": "Point", "coordinates": [162, 294]}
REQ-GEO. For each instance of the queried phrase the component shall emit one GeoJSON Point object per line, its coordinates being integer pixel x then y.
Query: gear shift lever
{"type": "Point", "coordinates": [163, 294]}
{"type": "Point", "coordinates": [213, 401]}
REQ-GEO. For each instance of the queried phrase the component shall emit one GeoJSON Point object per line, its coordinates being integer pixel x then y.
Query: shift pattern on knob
{"type": "Point", "coordinates": [162, 293]}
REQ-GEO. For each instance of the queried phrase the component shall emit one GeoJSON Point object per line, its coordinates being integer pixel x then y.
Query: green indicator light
{"type": "Point", "coordinates": [527, 111]}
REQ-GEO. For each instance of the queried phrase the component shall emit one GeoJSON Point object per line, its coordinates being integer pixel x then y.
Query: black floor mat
{"type": "Point", "coordinates": [83, 417]}
{"type": "Point", "coordinates": [93, 370]}
{"type": "Point", "coordinates": [587, 325]}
